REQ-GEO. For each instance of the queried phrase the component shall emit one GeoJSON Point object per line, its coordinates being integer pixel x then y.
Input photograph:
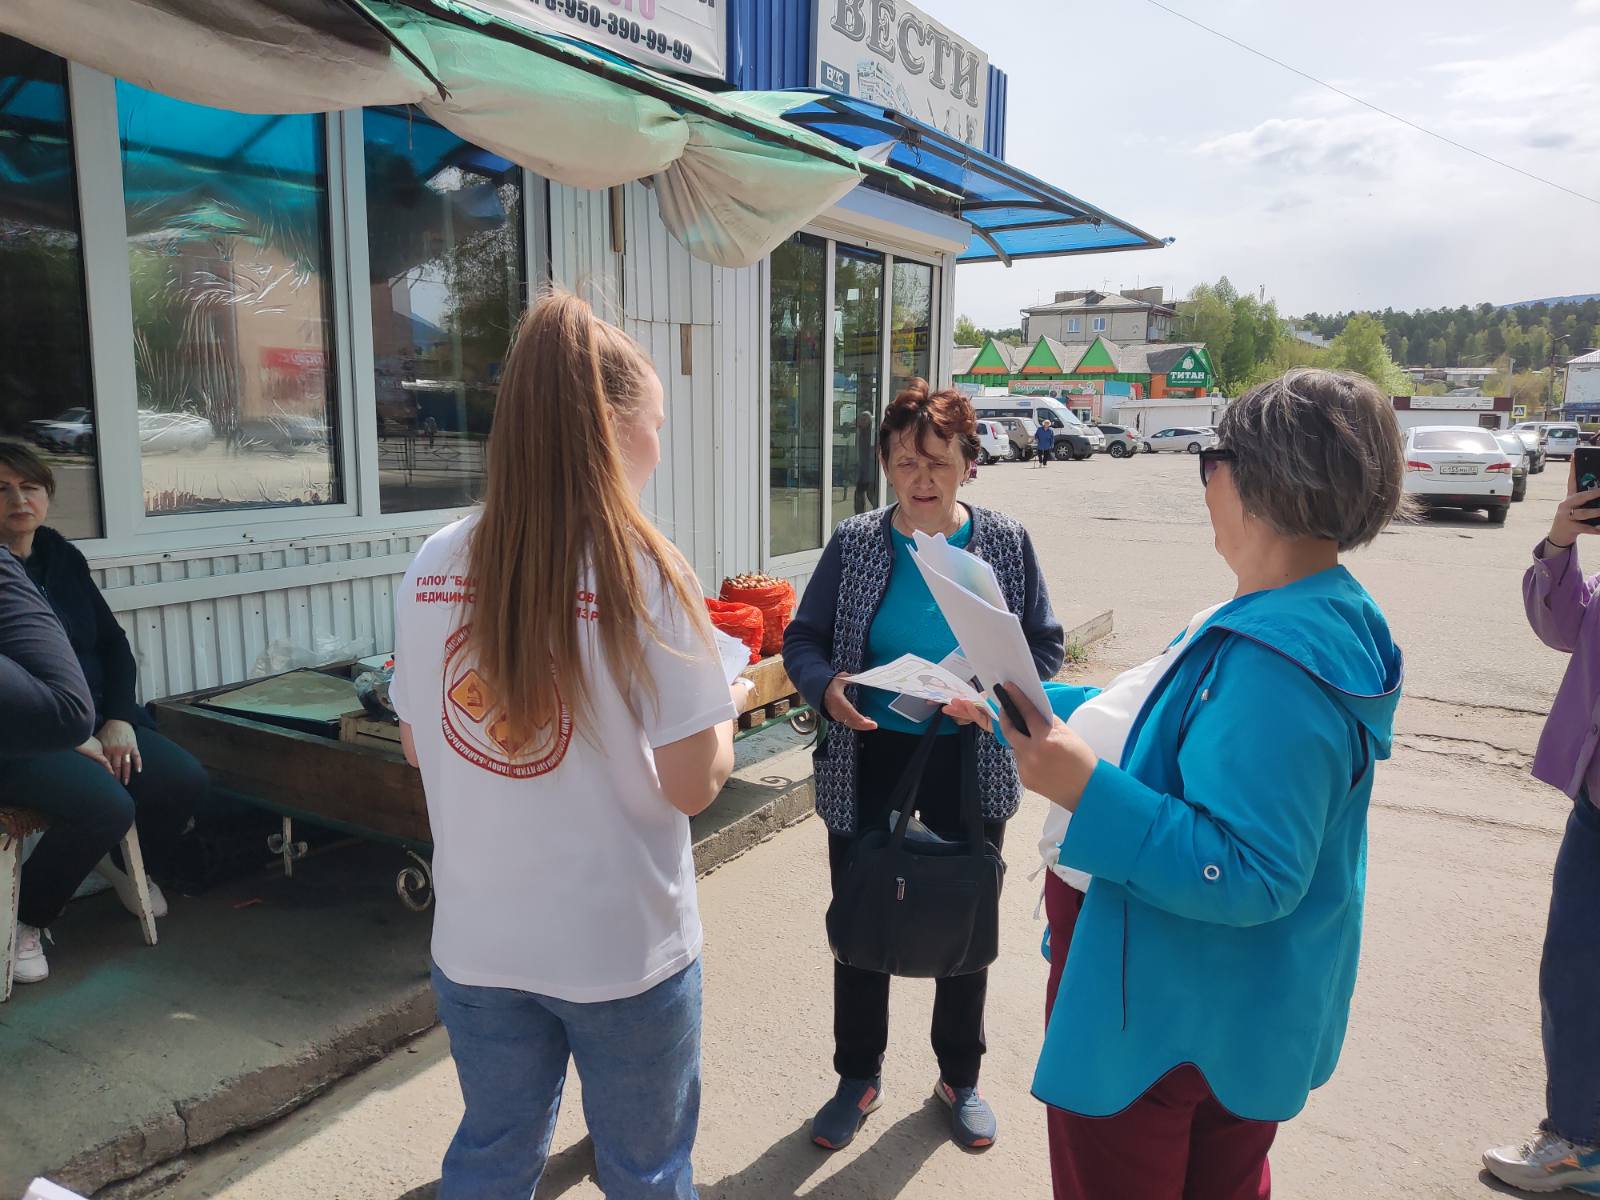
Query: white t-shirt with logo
{"type": "Point", "coordinates": [559, 866]}
{"type": "Point", "coordinates": [1105, 723]}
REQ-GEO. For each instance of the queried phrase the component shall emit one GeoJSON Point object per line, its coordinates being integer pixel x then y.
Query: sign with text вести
{"type": "Point", "coordinates": [670, 35]}
{"type": "Point", "coordinates": [891, 53]}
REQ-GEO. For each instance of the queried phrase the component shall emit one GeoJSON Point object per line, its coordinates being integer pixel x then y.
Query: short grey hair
{"type": "Point", "coordinates": [1317, 454]}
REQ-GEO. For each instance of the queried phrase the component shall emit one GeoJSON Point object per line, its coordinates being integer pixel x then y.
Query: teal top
{"type": "Point", "coordinates": [908, 622]}
{"type": "Point", "coordinates": [1228, 850]}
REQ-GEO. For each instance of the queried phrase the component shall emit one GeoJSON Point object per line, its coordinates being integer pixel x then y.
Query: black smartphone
{"type": "Point", "coordinates": [1012, 712]}
{"type": "Point", "coordinates": [1586, 462]}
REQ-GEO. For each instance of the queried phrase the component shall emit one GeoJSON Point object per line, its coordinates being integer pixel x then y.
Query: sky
{"type": "Point", "coordinates": [1275, 182]}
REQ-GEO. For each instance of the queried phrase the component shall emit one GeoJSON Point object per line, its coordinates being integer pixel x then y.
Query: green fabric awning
{"type": "Point", "coordinates": [732, 177]}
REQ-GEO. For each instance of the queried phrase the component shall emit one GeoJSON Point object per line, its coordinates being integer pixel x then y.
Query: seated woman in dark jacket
{"type": "Point", "coordinates": [866, 606]}
{"type": "Point", "coordinates": [125, 771]}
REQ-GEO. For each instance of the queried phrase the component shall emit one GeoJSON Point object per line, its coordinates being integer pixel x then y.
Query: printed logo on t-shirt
{"type": "Point", "coordinates": [476, 730]}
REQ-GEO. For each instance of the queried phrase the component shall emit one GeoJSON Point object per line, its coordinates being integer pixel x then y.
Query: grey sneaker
{"type": "Point", "coordinates": [834, 1127]}
{"type": "Point", "coordinates": [1546, 1163]}
{"type": "Point", "coordinates": [972, 1122]}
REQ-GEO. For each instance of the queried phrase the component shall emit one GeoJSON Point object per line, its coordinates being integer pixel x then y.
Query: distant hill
{"type": "Point", "coordinates": [1550, 300]}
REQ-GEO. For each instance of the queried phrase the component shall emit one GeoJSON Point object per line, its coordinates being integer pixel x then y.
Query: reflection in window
{"type": "Point", "coordinates": [857, 379]}
{"type": "Point", "coordinates": [228, 253]}
{"type": "Point", "coordinates": [444, 222]}
{"type": "Point", "coordinates": [45, 390]}
{"type": "Point", "coordinates": [911, 337]}
{"type": "Point", "coordinates": [799, 300]}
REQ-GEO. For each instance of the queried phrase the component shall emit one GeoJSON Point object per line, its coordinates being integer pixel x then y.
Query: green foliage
{"type": "Point", "coordinates": [1363, 347]}
{"type": "Point", "coordinates": [968, 333]}
{"type": "Point", "coordinates": [1471, 336]}
{"type": "Point", "coordinates": [1242, 332]}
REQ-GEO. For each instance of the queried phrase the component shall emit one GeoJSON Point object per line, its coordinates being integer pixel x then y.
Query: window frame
{"type": "Point", "coordinates": [1074, 325]}
{"type": "Point", "coordinates": [1099, 325]}
{"type": "Point", "coordinates": [128, 532]}
{"type": "Point", "coordinates": [801, 562]}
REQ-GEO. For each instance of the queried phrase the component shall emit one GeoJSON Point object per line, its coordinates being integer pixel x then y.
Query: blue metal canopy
{"type": "Point", "coordinates": [1013, 215]}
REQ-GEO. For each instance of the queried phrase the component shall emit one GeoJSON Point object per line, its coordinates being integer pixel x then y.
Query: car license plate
{"type": "Point", "coordinates": [1458, 469]}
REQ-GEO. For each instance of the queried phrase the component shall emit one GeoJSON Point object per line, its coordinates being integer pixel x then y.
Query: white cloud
{"type": "Point", "coordinates": [1358, 146]}
{"type": "Point", "coordinates": [1329, 205]}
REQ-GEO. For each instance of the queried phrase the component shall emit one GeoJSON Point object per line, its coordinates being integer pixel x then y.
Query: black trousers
{"type": "Point", "coordinates": [861, 998]}
{"type": "Point", "coordinates": [90, 812]}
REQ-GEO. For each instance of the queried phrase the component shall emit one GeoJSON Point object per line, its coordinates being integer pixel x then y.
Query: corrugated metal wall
{"type": "Point", "coordinates": [772, 46]}
{"type": "Point", "coordinates": [994, 133]}
{"type": "Point", "coordinates": [202, 619]}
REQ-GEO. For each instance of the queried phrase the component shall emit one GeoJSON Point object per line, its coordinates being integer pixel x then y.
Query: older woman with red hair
{"type": "Point", "coordinates": [866, 606]}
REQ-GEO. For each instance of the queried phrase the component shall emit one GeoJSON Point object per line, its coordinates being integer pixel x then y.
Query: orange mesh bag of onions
{"type": "Point", "coordinates": [774, 597]}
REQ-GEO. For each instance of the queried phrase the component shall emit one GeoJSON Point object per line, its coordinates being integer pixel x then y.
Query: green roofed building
{"type": "Point", "coordinates": [1150, 370]}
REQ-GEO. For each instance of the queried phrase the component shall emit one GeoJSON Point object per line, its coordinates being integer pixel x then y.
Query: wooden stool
{"type": "Point", "coordinates": [15, 825]}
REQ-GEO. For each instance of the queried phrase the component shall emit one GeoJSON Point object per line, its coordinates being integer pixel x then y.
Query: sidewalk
{"type": "Point", "coordinates": [263, 994]}
{"type": "Point", "coordinates": [260, 995]}
{"type": "Point", "coordinates": [1442, 1057]}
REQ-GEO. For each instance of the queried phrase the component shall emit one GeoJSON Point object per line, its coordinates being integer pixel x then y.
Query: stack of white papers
{"type": "Point", "coordinates": [993, 647]}
{"type": "Point", "coordinates": [991, 637]}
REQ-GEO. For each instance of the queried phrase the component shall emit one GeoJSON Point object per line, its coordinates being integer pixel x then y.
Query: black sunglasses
{"type": "Point", "coordinates": [1210, 460]}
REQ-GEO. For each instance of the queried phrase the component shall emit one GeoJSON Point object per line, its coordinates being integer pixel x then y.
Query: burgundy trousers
{"type": "Point", "coordinates": [1175, 1142]}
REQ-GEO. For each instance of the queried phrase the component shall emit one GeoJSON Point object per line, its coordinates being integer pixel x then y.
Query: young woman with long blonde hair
{"type": "Point", "coordinates": [559, 690]}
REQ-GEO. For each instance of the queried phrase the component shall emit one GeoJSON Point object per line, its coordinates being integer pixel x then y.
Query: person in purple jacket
{"type": "Point", "coordinates": [1564, 1152]}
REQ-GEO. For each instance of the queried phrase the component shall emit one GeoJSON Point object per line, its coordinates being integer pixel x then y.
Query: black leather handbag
{"type": "Point", "coordinates": [920, 909]}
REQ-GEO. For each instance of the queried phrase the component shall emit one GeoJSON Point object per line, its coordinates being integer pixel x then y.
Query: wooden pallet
{"type": "Point", "coordinates": [360, 729]}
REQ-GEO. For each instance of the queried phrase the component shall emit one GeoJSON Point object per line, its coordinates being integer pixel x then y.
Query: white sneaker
{"type": "Point", "coordinates": [31, 966]}
{"type": "Point", "coordinates": [125, 890]}
{"type": "Point", "coordinates": [1547, 1163]}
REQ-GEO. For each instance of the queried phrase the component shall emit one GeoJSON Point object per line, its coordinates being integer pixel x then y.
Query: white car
{"type": "Point", "coordinates": [1561, 440]}
{"type": "Point", "coordinates": [1521, 461]}
{"type": "Point", "coordinates": [1190, 438]}
{"type": "Point", "coordinates": [1459, 466]}
{"type": "Point", "coordinates": [169, 432]}
{"type": "Point", "coordinates": [994, 445]}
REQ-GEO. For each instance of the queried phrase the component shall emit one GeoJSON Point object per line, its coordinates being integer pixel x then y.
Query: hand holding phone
{"type": "Point", "coordinates": [1586, 476]}
{"type": "Point", "coordinates": [1577, 514]}
{"type": "Point", "coordinates": [1013, 714]}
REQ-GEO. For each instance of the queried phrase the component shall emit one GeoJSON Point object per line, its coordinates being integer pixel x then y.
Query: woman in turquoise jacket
{"type": "Point", "coordinates": [1219, 809]}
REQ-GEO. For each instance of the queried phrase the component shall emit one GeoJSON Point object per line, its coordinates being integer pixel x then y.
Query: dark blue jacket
{"type": "Point", "coordinates": [828, 636]}
{"type": "Point", "coordinates": [42, 692]}
{"type": "Point", "coordinates": [62, 574]}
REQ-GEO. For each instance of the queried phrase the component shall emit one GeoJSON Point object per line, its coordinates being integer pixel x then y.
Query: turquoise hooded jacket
{"type": "Point", "coordinates": [1228, 851]}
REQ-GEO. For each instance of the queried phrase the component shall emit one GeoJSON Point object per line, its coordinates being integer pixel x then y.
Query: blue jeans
{"type": "Point", "coordinates": [639, 1060]}
{"type": "Point", "coordinates": [1569, 983]}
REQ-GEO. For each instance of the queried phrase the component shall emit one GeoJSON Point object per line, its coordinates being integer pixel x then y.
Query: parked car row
{"type": "Point", "coordinates": [1015, 439]}
{"type": "Point", "coordinates": [73, 432]}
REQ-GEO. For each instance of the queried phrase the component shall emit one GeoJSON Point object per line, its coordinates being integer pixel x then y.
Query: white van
{"type": "Point", "coordinates": [1039, 409]}
{"type": "Point", "coordinates": [1561, 440]}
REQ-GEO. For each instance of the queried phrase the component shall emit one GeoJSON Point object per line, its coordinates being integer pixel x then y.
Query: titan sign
{"type": "Point", "coordinates": [892, 53]}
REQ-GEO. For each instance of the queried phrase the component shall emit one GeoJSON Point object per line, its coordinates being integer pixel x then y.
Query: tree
{"type": "Point", "coordinates": [1207, 316]}
{"type": "Point", "coordinates": [967, 332]}
{"type": "Point", "coordinates": [1361, 348]}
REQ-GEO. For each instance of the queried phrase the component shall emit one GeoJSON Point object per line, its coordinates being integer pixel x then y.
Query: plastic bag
{"type": "Point", "coordinates": [281, 656]}
{"type": "Point", "coordinates": [774, 597]}
{"type": "Point", "coordinates": [743, 621]}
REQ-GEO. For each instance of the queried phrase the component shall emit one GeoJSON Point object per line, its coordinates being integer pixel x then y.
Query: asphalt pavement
{"type": "Point", "coordinates": [1443, 1053]}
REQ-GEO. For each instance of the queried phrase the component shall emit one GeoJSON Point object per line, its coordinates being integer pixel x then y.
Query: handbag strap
{"type": "Point", "coordinates": [971, 812]}
{"type": "Point", "coordinates": [905, 793]}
